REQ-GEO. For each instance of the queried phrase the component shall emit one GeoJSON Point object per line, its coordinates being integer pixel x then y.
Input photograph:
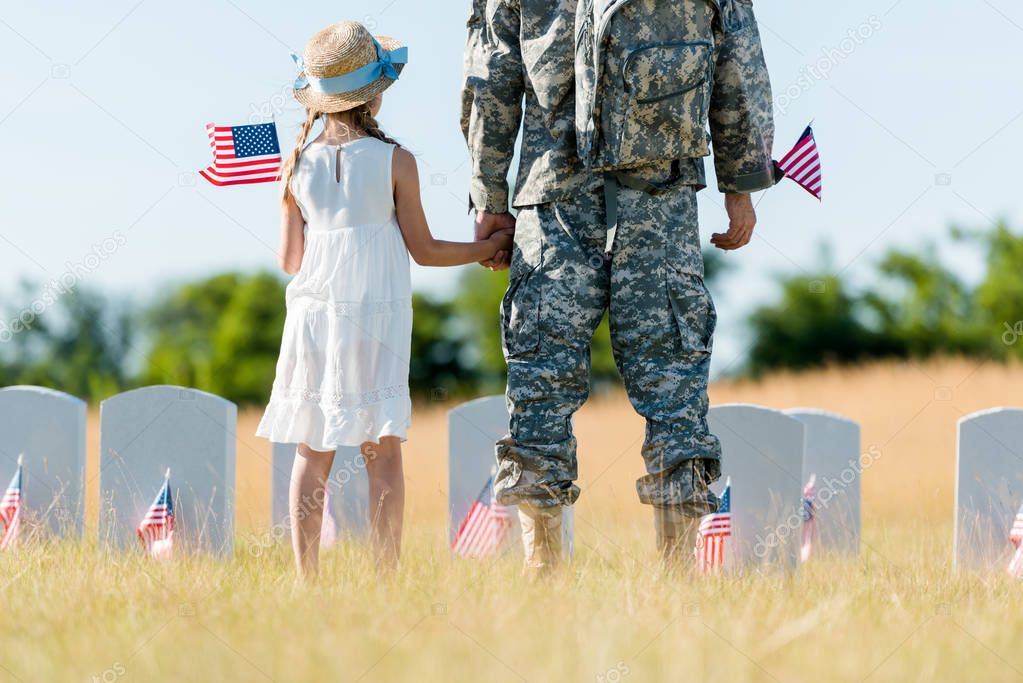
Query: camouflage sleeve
{"type": "Point", "coordinates": [741, 109]}
{"type": "Point", "coordinates": [492, 99]}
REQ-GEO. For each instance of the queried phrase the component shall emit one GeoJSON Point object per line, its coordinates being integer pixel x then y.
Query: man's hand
{"type": "Point", "coordinates": [742, 218]}
{"type": "Point", "coordinates": [486, 225]}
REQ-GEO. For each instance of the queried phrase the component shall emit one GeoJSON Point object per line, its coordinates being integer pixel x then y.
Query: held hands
{"type": "Point", "coordinates": [502, 241]}
{"type": "Point", "coordinates": [487, 224]}
{"type": "Point", "coordinates": [742, 218]}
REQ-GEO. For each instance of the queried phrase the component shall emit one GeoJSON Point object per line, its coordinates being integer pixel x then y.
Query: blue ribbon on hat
{"type": "Point", "coordinates": [353, 80]}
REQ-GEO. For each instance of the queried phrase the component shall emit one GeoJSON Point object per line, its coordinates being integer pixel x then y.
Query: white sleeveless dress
{"type": "Point", "coordinates": [342, 376]}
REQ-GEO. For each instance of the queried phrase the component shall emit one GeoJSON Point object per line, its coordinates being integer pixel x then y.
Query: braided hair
{"type": "Point", "coordinates": [360, 118]}
{"type": "Point", "coordinates": [288, 169]}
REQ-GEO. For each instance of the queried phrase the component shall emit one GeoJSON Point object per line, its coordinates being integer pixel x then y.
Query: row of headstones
{"type": "Point", "coordinates": [142, 433]}
{"type": "Point", "coordinates": [768, 454]}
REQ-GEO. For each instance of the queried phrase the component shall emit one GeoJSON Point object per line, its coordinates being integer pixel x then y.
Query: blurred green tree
{"type": "Point", "coordinates": [816, 321]}
{"type": "Point", "coordinates": [221, 335]}
{"type": "Point", "coordinates": [999, 296]}
{"type": "Point", "coordinates": [917, 307]}
{"type": "Point", "coordinates": [441, 366]}
{"type": "Point", "coordinates": [478, 304]}
{"type": "Point", "coordinates": [77, 341]}
{"type": "Point", "coordinates": [924, 309]}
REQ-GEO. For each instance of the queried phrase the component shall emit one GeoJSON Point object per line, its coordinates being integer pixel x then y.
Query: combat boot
{"type": "Point", "coordinates": [675, 533]}
{"type": "Point", "coordinates": [541, 539]}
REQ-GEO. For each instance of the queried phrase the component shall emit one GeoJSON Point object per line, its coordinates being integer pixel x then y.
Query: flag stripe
{"type": "Point", "coordinates": [803, 164]}
{"type": "Point", "coordinates": [157, 527]}
{"type": "Point", "coordinates": [809, 518]}
{"type": "Point", "coordinates": [221, 173]}
{"type": "Point", "coordinates": [711, 533]}
{"type": "Point", "coordinates": [213, 179]}
{"type": "Point", "coordinates": [10, 511]}
{"type": "Point", "coordinates": [485, 527]}
{"type": "Point", "coordinates": [803, 149]}
{"type": "Point", "coordinates": [803, 172]}
{"type": "Point", "coordinates": [471, 528]}
{"type": "Point", "coordinates": [243, 155]}
{"type": "Point", "coordinates": [1016, 538]}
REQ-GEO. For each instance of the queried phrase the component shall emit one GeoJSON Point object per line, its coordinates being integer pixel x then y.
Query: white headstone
{"type": "Point", "coordinates": [762, 452]}
{"type": "Point", "coordinates": [142, 433]}
{"type": "Point", "coordinates": [348, 487]}
{"type": "Point", "coordinates": [989, 487]}
{"type": "Point", "coordinates": [833, 455]}
{"type": "Point", "coordinates": [48, 427]}
{"type": "Point", "coordinates": [473, 430]}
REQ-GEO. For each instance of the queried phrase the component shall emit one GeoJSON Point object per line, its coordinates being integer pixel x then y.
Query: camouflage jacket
{"type": "Point", "coordinates": [520, 70]}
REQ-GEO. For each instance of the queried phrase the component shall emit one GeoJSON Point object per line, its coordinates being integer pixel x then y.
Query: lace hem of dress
{"type": "Point", "coordinates": [350, 308]}
{"type": "Point", "coordinates": [346, 400]}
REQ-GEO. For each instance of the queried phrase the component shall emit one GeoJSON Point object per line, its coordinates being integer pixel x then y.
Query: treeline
{"type": "Point", "coordinates": [915, 306]}
{"type": "Point", "coordinates": [222, 334]}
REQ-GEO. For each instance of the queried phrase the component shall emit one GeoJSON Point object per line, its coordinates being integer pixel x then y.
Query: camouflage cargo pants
{"type": "Point", "coordinates": [662, 324]}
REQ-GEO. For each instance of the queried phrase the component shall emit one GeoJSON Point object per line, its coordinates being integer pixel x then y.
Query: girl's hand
{"type": "Point", "coordinates": [486, 225]}
{"type": "Point", "coordinates": [502, 240]}
{"type": "Point", "coordinates": [422, 246]}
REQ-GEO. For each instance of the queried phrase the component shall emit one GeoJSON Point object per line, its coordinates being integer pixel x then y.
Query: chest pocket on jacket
{"type": "Point", "coordinates": [667, 93]}
{"type": "Point", "coordinates": [646, 75]}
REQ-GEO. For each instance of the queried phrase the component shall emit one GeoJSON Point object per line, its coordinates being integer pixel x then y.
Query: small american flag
{"type": "Point", "coordinates": [803, 163]}
{"type": "Point", "coordinates": [711, 534]}
{"type": "Point", "coordinates": [485, 528]}
{"type": "Point", "coordinates": [809, 518]}
{"type": "Point", "coordinates": [156, 531]}
{"type": "Point", "coordinates": [1016, 536]}
{"type": "Point", "coordinates": [243, 154]}
{"type": "Point", "coordinates": [10, 511]}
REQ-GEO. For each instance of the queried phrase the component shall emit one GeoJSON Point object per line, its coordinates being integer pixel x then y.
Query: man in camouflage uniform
{"type": "Point", "coordinates": [565, 271]}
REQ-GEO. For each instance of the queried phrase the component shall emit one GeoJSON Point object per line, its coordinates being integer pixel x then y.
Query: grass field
{"type": "Point", "coordinates": [896, 613]}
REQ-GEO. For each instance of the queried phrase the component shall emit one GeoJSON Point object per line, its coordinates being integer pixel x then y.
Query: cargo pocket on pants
{"type": "Point", "coordinates": [520, 310]}
{"type": "Point", "coordinates": [693, 310]}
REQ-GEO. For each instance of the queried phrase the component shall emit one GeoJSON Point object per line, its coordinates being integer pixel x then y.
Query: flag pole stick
{"type": "Point", "coordinates": [762, 195]}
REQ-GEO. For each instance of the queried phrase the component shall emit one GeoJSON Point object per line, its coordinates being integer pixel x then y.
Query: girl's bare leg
{"type": "Point", "coordinates": [386, 499]}
{"type": "Point", "coordinates": [305, 503]}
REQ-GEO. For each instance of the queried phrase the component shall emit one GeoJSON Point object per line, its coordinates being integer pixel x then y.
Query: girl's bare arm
{"type": "Point", "coordinates": [425, 250]}
{"type": "Point", "coordinates": [289, 258]}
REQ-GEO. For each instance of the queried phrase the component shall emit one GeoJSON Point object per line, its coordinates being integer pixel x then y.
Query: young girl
{"type": "Point", "coordinates": [351, 217]}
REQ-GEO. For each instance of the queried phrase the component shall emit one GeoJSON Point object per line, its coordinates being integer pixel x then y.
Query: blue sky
{"type": "Point", "coordinates": [919, 119]}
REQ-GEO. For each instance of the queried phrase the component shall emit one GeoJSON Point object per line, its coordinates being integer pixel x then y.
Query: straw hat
{"type": "Point", "coordinates": [344, 66]}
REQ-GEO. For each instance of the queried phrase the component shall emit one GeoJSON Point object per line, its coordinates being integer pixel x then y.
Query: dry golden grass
{"type": "Point", "coordinates": [896, 613]}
